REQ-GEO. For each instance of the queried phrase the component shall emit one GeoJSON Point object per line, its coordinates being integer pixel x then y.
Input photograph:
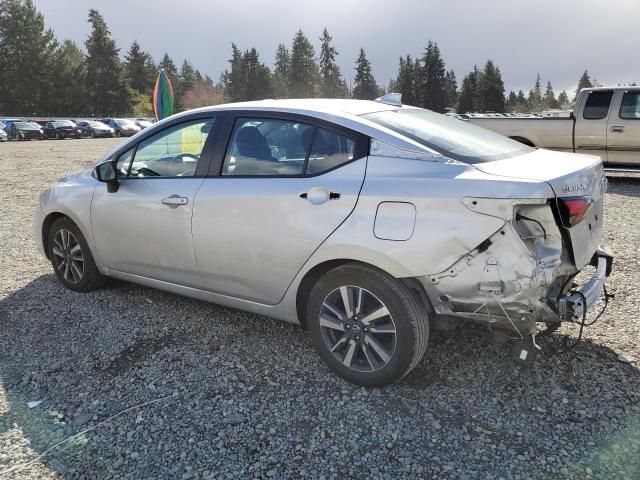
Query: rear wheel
{"type": "Point", "coordinates": [367, 326]}
{"type": "Point", "coordinates": [71, 258]}
{"type": "Point", "coordinates": [93, 134]}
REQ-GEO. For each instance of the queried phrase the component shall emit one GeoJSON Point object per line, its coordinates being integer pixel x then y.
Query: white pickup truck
{"type": "Point", "coordinates": [604, 122]}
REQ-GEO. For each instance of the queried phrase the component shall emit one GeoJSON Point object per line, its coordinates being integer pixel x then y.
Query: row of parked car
{"type": "Point", "coordinates": [17, 129]}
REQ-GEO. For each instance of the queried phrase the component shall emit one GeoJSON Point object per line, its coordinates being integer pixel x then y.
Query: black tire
{"type": "Point", "coordinates": [91, 277]}
{"type": "Point", "coordinates": [407, 315]}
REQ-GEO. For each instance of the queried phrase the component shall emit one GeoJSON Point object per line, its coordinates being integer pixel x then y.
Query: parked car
{"type": "Point", "coordinates": [142, 123]}
{"type": "Point", "coordinates": [122, 127]}
{"type": "Point", "coordinates": [23, 130]}
{"type": "Point", "coordinates": [4, 122]}
{"type": "Point", "coordinates": [94, 129]}
{"type": "Point", "coordinates": [61, 129]}
{"type": "Point", "coordinates": [604, 122]}
{"type": "Point", "coordinates": [3, 136]}
{"type": "Point", "coordinates": [369, 223]}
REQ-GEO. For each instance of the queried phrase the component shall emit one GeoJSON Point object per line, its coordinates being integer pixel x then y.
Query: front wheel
{"type": "Point", "coordinates": [71, 258]}
{"type": "Point", "coordinates": [368, 327]}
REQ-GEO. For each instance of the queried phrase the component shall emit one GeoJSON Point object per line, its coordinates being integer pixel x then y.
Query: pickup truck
{"type": "Point", "coordinates": [604, 122]}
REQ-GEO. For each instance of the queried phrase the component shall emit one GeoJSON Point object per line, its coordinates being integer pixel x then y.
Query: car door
{"type": "Point", "coordinates": [590, 134]}
{"type": "Point", "coordinates": [623, 132]}
{"type": "Point", "coordinates": [145, 227]}
{"type": "Point", "coordinates": [277, 191]}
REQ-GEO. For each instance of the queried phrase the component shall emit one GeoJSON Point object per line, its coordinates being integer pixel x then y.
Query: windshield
{"type": "Point", "coordinates": [22, 125]}
{"type": "Point", "coordinates": [451, 137]}
{"type": "Point", "coordinates": [62, 123]}
{"type": "Point", "coordinates": [125, 123]}
{"type": "Point", "coordinates": [96, 124]}
{"type": "Point", "coordinates": [144, 123]}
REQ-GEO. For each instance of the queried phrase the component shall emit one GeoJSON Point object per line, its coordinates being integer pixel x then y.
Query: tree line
{"type": "Point", "coordinates": [41, 76]}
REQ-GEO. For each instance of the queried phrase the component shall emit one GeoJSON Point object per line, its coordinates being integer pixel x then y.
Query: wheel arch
{"type": "Point", "coordinates": [317, 271]}
{"type": "Point", "coordinates": [524, 140]}
{"type": "Point", "coordinates": [46, 225]}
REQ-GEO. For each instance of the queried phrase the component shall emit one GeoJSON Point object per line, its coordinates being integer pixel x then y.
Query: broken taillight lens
{"type": "Point", "coordinates": [573, 209]}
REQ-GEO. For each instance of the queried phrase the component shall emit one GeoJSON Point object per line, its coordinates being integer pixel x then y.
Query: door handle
{"type": "Point", "coordinates": [319, 195]}
{"type": "Point", "coordinates": [617, 129]}
{"type": "Point", "coordinates": [174, 200]}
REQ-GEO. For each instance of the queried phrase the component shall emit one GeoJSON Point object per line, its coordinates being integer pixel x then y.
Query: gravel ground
{"type": "Point", "coordinates": [237, 395]}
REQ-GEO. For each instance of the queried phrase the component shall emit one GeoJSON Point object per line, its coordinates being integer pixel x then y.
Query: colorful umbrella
{"type": "Point", "coordinates": [162, 97]}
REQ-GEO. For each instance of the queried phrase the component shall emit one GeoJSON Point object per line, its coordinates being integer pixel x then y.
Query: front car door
{"type": "Point", "coordinates": [623, 132]}
{"type": "Point", "coordinates": [279, 189]}
{"type": "Point", "coordinates": [591, 129]}
{"type": "Point", "coordinates": [145, 227]}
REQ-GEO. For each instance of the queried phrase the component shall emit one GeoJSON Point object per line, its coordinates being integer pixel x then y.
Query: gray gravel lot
{"type": "Point", "coordinates": [248, 397]}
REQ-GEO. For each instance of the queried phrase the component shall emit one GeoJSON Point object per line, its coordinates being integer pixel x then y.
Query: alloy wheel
{"type": "Point", "coordinates": [67, 256]}
{"type": "Point", "coordinates": [357, 328]}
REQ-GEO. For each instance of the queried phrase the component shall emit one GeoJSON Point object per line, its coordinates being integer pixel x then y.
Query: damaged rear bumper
{"type": "Point", "coordinates": [573, 307]}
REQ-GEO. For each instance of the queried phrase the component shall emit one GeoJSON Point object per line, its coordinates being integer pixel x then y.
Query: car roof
{"type": "Point", "coordinates": [335, 105]}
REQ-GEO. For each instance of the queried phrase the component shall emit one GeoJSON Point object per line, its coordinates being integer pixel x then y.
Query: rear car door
{"type": "Point", "coordinates": [145, 227]}
{"type": "Point", "coordinates": [623, 132]}
{"type": "Point", "coordinates": [281, 186]}
{"type": "Point", "coordinates": [591, 127]}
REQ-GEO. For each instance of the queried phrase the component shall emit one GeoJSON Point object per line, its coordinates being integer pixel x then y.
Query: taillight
{"type": "Point", "coordinates": [573, 209]}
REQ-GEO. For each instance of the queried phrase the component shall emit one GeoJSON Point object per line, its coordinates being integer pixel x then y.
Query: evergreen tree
{"type": "Point", "coordinates": [280, 79]}
{"type": "Point", "coordinates": [535, 96]}
{"type": "Point", "coordinates": [257, 76]}
{"type": "Point", "coordinates": [187, 76]}
{"type": "Point", "coordinates": [563, 99]}
{"type": "Point", "coordinates": [522, 104]}
{"type": "Point", "coordinates": [249, 79]}
{"type": "Point", "coordinates": [232, 82]}
{"type": "Point", "coordinates": [25, 55]}
{"type": "Point", "coordinates": [168, 66]}
{"type": "Point", "coordinates": [451, 89]}
{"type": "Point", "coordinates": [490, 89]}
{"type": "Point", "coordinates": [106, 88]}
{"type": "Point", "coordinates": [331, 84]}
{"type": "Point", "coordinates": [431, 81]}
{"type": "Point", "coordinates": [303, 71]}
{"type": "Point", "coordinates": [512, 101]}
{"type": "Point", "coordinates": [467, 95]}
{"type": "Point", "coordinates": [549, 98]}
{"type": "Point", "coordinates": [584, 82]}
{"type": "Point", "coordinates": [406, 81]}
{"type": "Point", "coordinates": [365, 87]}
{"type": "Point", "coordinates": [66, 89]}
{"type": "Point", "coordinates": [140, 69]}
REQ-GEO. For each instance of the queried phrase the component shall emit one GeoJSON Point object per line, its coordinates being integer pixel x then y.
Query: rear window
{"type": "Point", "coordinates": [449, 136]}
{"type": "Point", "coordinates": [597, 106]}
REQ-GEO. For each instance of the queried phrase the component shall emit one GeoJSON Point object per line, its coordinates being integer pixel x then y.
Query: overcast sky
{"type": "Point", "coordinates": [558, 38]}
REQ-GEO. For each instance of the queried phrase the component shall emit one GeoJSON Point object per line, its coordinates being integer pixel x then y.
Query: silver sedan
{"type": "Point", "coordinates": [369, 223]}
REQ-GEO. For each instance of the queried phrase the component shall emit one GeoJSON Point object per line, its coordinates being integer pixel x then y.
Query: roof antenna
{"type": "Point", "coordinates": [394, 99]}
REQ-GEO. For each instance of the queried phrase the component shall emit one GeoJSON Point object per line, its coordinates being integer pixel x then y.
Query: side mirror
{"type": "Point", "coordinates": [106, 172]}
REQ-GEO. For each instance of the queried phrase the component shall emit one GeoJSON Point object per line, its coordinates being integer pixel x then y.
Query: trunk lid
{"type": "Point", "coordinates": [569, 175]}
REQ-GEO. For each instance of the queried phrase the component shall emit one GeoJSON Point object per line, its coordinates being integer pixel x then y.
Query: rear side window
{"type": "Point", "coordinates": [329, 150]}
{"type": "Point", "coordinates": [630, 107]}
{"type": "Point", "coordinates": [597, 106]}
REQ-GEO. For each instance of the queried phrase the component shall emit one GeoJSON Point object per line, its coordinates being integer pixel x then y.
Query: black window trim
{"type": "Point", "coordinates": [632, 92]}
{"type": "Point", "coordinates": [361, 141]}
{"type": "Point", "coordinates": [207, 151]}
{"type": "Point", "coordinates": [606, 115]}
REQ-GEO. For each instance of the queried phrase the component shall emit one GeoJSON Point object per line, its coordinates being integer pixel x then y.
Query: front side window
{"type": "Point", "coordinates": [267, 147]}
{"type": "Point", "coordinates": [449, 136]}
{"type": "Point", "coordinates": [328, 151]}
{"type": "Point", "coordinates": [173, 152]}
{"type": "Point", "coordinates": [597, 106]}
{"type": "Point", "coordinates": [630, 107]}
